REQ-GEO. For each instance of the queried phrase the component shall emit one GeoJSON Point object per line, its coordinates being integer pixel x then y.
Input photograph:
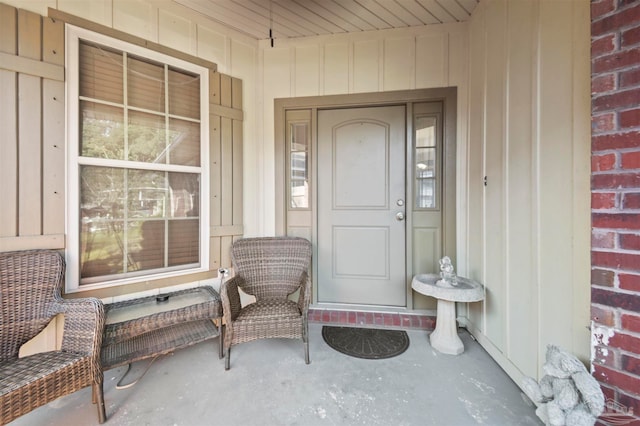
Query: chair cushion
{"type": "Point", "coordinates": [270, 310]}
{"type": "Point", "coordinates": [23, 371]}
{"type": "Point", "coordinates": [265, 319]}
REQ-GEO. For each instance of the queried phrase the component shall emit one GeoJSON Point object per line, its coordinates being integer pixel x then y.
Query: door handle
{"type": "Point", "coordinates": [399, 216]}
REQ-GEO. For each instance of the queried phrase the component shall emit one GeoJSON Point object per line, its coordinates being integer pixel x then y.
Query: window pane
{"type": "Point", "coordinates": [147, 194]}
{"type": "Point", "coordinates": [101, 193]}
{"type": "Point", "coordinates": [146, 244]}
{"type": "Point", "coordinates": [299, 178]}
{"type": "Point", "coordinates": [101, 224]}
{"type": "Point", "coordinates": [145, 84]}
{"type": "Point", "coordinates": [147, 139]}
{"type": "Point", "coordinates": [184, 195]}
{"type": "Point", "coordinates": [184, 142]}
{"type": "Point", "coordinates": [101, 250]}
{"type": "Point", "coordinates": [426, 163]}
{"type": "Point", "coordinates": [184, 94]}
{"type": "Point", "coordinates": [100, 73]}
{"type": "Point", "coordinates": [425, 131]}
{"type": "Point", "coordinates": [184, 242]}
{"type": "Point", "coordinates": [299, 182]}
{"type": "Point", "coordinates": [426, 193]}
{"type": "Point", "coordinates": [101, 131]}
{"type": "Point", "coordinates": [299, 140]}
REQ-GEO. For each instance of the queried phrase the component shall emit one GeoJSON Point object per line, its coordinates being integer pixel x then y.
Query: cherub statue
{"type": "Point", "coordinates": [446, 271]}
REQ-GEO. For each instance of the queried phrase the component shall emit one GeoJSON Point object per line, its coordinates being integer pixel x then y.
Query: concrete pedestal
{"type": "Point", "coordinates": [445, 337]}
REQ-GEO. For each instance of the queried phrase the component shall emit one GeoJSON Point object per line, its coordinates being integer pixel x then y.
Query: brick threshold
{"type": "Point", "coordinates": [367, 318]}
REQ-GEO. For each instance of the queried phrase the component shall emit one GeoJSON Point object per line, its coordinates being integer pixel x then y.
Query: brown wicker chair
{"type": "Point", "coordinates": [30, 284]}
{"type": "Point", "coordinates": [269, 268]}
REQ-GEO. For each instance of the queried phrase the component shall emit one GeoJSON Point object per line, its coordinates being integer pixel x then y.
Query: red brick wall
{"type": "Point", "coordinates": [615, 198]}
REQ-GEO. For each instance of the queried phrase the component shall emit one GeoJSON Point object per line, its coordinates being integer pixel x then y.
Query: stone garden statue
{"type": "Point", "coordinates": [448, 278]}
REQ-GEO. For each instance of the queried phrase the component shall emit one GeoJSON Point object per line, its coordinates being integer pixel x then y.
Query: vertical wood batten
{"type": "Point", "coordinates": [582, 177]}
{"type": "Point", "coordinates": [236, 178]}
{"type": "Point", "coordinates": [29, 128]}
{"type": "Point", "coordinates": [8, 124]}
{"type": "Point", "coordinates": [225, 90]}
{"type": "Point", "coordinates": [238, 137]}
{"type": "Point", "coordinates": [520, 195]}
{"type": "Point", "coordinates": [53, 136]}
{"type": "Point", "coordinates": [215, 174]}
{"type": "Point", "coordinates": [495, 123]}
{"type": "Point", "coordinates": [215, 196]}
{"type": "Point", "coordinates": [227, 171]}
{"type": "Point", "coordinates": [556, 156]}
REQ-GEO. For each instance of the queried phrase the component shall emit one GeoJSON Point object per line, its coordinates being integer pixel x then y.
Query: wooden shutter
{"type": "Point", "coordinates": [32, 154]}
{"type": "Point", "coordinates": [226, 165]}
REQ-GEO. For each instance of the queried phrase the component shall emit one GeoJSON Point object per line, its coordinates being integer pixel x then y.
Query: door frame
{"type": "Point", "coordinates": [286, 225]}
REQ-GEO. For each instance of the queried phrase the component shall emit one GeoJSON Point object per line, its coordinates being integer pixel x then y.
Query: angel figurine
{"type": "Point", "coordinates": [446, 271]}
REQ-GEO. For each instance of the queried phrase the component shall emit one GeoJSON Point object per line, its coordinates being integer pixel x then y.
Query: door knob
{"type": "Point", "coordinates": [399, 216]}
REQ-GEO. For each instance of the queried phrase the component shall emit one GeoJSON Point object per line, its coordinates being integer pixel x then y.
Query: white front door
{"type": "Point", "coordinates": [361, 206]}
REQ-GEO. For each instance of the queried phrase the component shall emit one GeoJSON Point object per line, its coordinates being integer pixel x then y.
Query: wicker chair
{"type": "Point", "coordinates": [269, 268]}
{"type": "Point", "coordinates": [30, 284]}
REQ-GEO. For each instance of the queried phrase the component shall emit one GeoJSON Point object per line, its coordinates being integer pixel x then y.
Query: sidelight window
{"type": "Point", "coordinates": [426, 169]}
{"type": "Point", "coordinates": [298, 142]}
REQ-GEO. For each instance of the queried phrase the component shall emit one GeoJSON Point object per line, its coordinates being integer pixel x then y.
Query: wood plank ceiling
{"type": "Point", "coordinates": [303, 18]}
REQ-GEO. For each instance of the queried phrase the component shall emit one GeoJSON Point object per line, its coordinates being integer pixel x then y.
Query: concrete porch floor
{"type": "Point", "coordinates": [269, 384]}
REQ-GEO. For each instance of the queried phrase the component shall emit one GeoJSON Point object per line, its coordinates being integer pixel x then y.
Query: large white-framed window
{"type": "Point", "coordinates": [137, 156]}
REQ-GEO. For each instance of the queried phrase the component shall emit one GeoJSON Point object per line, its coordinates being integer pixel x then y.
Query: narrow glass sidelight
{"type": "Point", "coordinates": [426, 170]}
{"type": "Point", "coordinates": [299, 133]}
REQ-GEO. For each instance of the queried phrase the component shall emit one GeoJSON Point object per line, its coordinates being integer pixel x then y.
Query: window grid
{"type": "Point", "coordinates": [188, 174]}
{"type": "Point", "coordinates": [426, 167]}
{"type": "Point", "coordinates": [299, 164]}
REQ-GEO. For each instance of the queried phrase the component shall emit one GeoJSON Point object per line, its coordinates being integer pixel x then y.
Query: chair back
{"type": "Point", "coordinates": [30, 282]}
{"type": "Point", "coordinates": [271, 267]}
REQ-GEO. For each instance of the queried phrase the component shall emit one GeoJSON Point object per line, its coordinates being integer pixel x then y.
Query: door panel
{"type": "Point", "coordinates": [361, 189]}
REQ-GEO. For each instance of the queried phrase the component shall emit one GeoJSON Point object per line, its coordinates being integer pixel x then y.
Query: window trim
{"type": "Point", "coordinates": [72, 159]}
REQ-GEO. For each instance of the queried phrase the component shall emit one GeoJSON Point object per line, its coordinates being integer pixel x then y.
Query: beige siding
{"type": "Point", "coordinates": [528, 238]}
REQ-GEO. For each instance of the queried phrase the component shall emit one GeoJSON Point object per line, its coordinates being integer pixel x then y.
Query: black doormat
{"type": "Point", "coordinates": [368, 343]}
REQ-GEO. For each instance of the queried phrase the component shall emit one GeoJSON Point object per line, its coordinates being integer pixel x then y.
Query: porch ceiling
{"type": "Point", "coordinates": [303, 18]}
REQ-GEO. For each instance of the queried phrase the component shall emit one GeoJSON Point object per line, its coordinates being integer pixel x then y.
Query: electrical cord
{"type": "Point", "coordinates": [119, 385]}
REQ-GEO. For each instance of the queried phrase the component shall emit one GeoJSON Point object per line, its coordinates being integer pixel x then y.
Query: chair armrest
{"type": "Point", "coordinates": [231, 304]}
{"type": "Point", "coordinates": [83, 326]}
{"type": "Point", "coordinates": [306, 290]}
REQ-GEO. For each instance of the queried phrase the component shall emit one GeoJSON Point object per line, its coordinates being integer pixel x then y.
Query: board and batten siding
{"type": "Point", "coordinates": [529, 227]}
{"type": "Point", "coordinates": [32, 150]}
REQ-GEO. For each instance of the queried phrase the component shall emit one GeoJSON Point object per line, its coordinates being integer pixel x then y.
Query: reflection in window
{"type": "Point", "coordinates": [125, 215]}
{"type": "Point", "coordinates": [426, 163]}
{"type": "Point", "coordinates": [139, 165]}
{"type": "Point", "coordinates": [299, 165]}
